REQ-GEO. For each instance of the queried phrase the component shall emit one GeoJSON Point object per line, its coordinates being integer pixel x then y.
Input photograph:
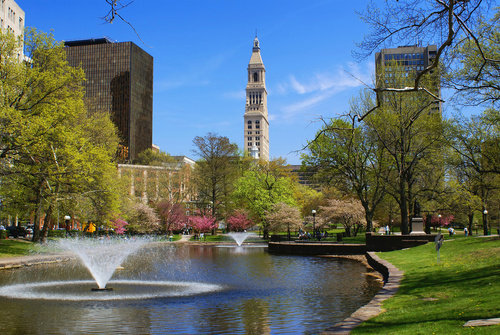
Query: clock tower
{"type": "Point", "coordinates": [256, 124]}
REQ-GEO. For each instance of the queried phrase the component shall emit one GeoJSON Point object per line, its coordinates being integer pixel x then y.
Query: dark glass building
{"type": "Point", "coordinates": [120, 80]}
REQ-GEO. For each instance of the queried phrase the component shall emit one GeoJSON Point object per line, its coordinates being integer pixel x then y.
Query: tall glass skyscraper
{"type": "Point", "coordinates": [120, 80]}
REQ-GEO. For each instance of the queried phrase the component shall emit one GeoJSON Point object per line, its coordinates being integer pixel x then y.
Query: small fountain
{"type": "Point", "coordinates": [102, 257]}
{"type": "Point", "coordinates": [239, 238]}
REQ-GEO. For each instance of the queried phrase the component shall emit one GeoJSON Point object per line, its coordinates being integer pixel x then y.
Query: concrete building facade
{"type": "Point", "coordinates": [256, 124]}
{"type": "Point", "coordinates": [120, 80]}
{"type": "Point", "coordinates": [12, 19]}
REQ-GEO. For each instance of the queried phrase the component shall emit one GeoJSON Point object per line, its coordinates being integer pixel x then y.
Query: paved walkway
{"type": "Point", "coordinates": [374, 307]}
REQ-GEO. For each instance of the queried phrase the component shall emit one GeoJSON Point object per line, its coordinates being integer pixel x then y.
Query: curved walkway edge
{"type": "Point", "coordinates": [392, 278]}
{"type": "Point", "coordinates": [18, 262]}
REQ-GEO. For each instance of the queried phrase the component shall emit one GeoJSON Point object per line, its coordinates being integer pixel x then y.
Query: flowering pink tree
{"type": "Point", "coordinates": [202, 223]}
{"type": "Point", "coordinates": [444, 220]}
{"type": "Point", "coordinates": [172, 215]}
{"type": "Point", "coordinates": [239, 221]}
{"type": "Point", "coordinates": [119, 226]}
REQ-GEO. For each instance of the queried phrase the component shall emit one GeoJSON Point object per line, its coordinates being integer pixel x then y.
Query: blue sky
{"type": "Point", "coordinates": [201, 50]}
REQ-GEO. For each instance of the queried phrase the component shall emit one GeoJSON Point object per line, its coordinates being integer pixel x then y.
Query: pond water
{"type": "Point", "coordinates": [188, 289]}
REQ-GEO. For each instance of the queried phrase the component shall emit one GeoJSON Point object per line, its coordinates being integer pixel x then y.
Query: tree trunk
{"type": "Point", "coordinates": [46, 223]}
{"type": "Point", "coordinates": [471, 222]}
{"type": "Point", "coordinates": [403, 204]}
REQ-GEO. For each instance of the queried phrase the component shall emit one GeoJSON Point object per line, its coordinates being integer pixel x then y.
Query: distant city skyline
{"type": "Point", "coordinates": [201, 54]}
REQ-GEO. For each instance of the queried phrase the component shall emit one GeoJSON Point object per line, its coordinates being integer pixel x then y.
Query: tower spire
{"type": "Point", "coordinates": [256, 124]}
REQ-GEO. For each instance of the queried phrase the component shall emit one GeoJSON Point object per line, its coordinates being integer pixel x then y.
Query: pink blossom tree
{"type": "Point", "coordinates": [202, 223]}
{"type": "Point", "coordinates": [172, 215]}
{"type": "Point", "coordinates": [119, 226]}
{"type": "Point", "coordinates": [239, 221]}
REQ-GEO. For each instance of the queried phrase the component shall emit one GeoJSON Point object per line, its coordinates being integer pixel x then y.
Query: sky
{"type": "Point", "coordinates": [201, 50]}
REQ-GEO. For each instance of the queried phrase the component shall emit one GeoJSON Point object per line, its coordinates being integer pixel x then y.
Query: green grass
{"type": "Point", "coordinates": [12, 248]}
{"type": "Point", "coordinates": [440, 298]}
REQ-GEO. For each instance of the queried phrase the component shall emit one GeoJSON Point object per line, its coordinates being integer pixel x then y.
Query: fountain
{"type": "Point", "coordinates": [239, 238]}
{"type": "Point", "coordinates": [102, 257]}
{"type": "Point", "coordinates": [184, 288]}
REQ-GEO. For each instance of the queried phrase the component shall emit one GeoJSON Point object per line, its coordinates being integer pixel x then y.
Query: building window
{"type": "Point", "coordinates": [257, 138]}
{"type": "Point", "coordinates": [257, 132]}
{"type": "Point", "coordinates": [257, 144]}
{"type": "Point", "coordinates": [249, 133]}
{"type": "Point", "coordinates": [249, 138]}
{"type": "Point", "coordinates": [255, 77]}
{"type": "Point", "coordinates": [257, 124]}
{"type": "Point", "coordinates": [249, 144]}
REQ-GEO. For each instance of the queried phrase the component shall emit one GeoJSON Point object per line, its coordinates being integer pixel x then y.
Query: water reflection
{"type": "Point", "coordinates": [262, 294]}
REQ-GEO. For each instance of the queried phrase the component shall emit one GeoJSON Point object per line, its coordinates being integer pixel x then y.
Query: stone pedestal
{"type": "Point", "coordinates": [417, 226]}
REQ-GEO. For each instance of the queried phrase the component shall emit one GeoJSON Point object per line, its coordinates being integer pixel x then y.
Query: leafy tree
{"type": "Point", "coordinates": [262, 187]}
{"type": "Point", "coordinates": [410, 131]}
{"type": "Point", "coordinates": [476, 141]}
{"type": "Point", "coordinates": [350, 213]}
{"type": "Point", "coordinates": [50, 153]}
{"type": "Point", "coordinates": [348, 156]}
{"type": "Point", "coordinates": [153, 158]}
{"type": "Point", "coordinates": [215, 172]}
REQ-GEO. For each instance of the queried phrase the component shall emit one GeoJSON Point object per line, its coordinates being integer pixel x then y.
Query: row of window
{"type": "Point", "coordinates": [408, 62]}
{"type": "Point", "coordinates": [403, 56]}
{"type": "Point", "coordinates": [257, 138]}
{"type": "Point", "coordinates": [257, 124]}
{"type": "Point", "coordinates": [257, 132]}
{"type": "Point", "coordinates": [249, 144]}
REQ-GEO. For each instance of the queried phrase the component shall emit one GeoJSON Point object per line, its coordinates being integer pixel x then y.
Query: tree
{"type": "Point", "coordinates": [215, 172]}
{"type": "Point", "coordinates": [172, 215]}
{"type": "Point", "coordinates": [476, 141]}
{"type": "Point", "coordinates": [263, 186]}
{"type": "Point", "coordinates": [350, 213]}
{"type": "Point", "coordinates": [142, 219]}
{"type": "Point", "coordinates": [410, 131]}
{"type": "Point", "coordinates": [347, 155]}
{"type": "Point", "coordinates": [474, 73]}
{"type": "Point", "coordinates": [153, 158]}
{"type": "Point", "coordinates": [283, 216]}
{"type": "Point", "coordinates": [450, 22]}
{"type": "Point", "coordinates": [119, 226]}
{"type": "Point", "coordinates": [203, 223]}
{"type": "Point", "coordinates": [239, 221]}
{"type": "Point", "coordinates": [50, 153]}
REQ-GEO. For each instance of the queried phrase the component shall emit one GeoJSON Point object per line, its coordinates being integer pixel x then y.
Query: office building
{"type": "Point", "coordinates": [120, 80]}
{"type": "Point", "coordinates": [12, 19]}
{"type": "Point", "coordinates": [256, 124]}
{"type": "Point", "coordinates": [406, 61]}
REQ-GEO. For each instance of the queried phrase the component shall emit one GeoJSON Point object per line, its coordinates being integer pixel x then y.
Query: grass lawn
{"type": "Point", "coordinates": [12, 248]}
{"type": "Point", "coordinates": [440, 298]}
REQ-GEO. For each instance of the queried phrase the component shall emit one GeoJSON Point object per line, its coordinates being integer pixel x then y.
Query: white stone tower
{"type": "Point", "coordinates": [256, 126]}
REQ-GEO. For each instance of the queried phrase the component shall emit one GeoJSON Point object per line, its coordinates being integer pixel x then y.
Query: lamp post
{"type": "Point", "coordinates": [485, 222]}
{"type": "Point", "coordinates": [439, 222]}
{"type": "Point", "coordinates": [314, 221]}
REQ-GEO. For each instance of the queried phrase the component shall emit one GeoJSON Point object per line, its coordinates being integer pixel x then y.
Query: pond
{"type": "Point", "coordinates": [188, 289]}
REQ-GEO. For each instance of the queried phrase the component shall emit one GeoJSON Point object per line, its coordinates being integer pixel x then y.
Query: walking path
{"type": "Point", "coordinates": [374, 307]}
